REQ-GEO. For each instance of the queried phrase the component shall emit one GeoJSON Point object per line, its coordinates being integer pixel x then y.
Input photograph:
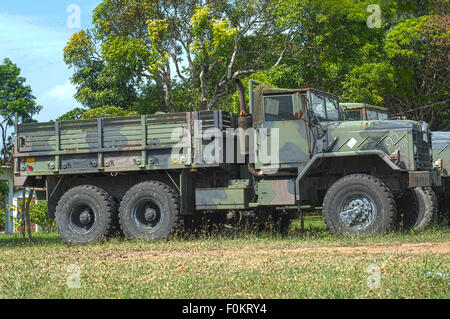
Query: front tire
{"type": "Point", "coordinates": [85, 214]}
{"type": "Point", "coordinates": [359, 204]}
{"type": "Point", "coordinates": [149, 211]}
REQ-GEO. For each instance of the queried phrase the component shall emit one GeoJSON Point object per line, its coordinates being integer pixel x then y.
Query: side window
{"type": "Point", "coordinates": [318, 107]}
{"type": "Point", "coordinates": [279, 108]}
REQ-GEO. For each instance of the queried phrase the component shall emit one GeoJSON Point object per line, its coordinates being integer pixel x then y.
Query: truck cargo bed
{"type": "Point", "coordinates": [116, 144]}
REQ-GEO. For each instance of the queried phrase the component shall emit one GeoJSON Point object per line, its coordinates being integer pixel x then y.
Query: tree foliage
{"type": "Point", "coordinates": [106, 111]}
{"type": "Point", "coordinates": [74, 114]}
{"type": "Point", "coordinates": [15, 98]}
{"type": "Point", "coordinates": [171, 55]}
{"type": "Point", "coordinates": [195, 46]}
{"type": "Point", "coordinates": [418, 50]}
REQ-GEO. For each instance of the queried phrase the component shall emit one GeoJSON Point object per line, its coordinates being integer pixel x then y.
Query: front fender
{"type": "Point", "coordinates": [304, 172]}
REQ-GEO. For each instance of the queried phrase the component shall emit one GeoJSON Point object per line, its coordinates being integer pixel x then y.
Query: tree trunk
{"type": "Point", "coordinates": [27, 214]}
{"type": "Point", "coordinates": [21, 214]}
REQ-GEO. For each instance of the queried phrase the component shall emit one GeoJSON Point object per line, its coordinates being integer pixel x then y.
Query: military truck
{"type": "Point", "coordinates": [290, 151]}
{"type": "Point", "coordinates": [441, 158]}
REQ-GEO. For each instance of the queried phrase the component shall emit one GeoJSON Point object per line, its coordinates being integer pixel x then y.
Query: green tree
{"type": "Point", "coordinates": [97, 84]}
{"type": "Point", "coordinates": [197, 46]}
{"type": "Point", "coordinates": [412, 73]}
{"type": "Point", "coordinates": [418, 50]}
{"type": "Point", "coordinates": [72, 115]}
{"type": "Point", "coordinates": [106, 111]}
{"type": "Point", "coordinates": [330, 39]}
{"type": "Point", "coordinates": [15, 98]}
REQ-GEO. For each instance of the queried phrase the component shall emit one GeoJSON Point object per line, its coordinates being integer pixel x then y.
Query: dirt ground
{"type": "Point", "coordinates": [372, 249]}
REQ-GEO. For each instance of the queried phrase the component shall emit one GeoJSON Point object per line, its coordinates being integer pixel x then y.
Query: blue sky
{"type": "Point", "coordinates": [33, 35]}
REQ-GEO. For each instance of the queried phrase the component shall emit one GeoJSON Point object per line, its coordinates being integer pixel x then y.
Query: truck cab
{"type": "Point", "coordinates": [319, 148]}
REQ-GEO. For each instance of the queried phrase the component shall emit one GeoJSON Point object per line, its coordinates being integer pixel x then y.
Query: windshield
{"type": "Point", "coordinates": [318, 107]}
{"type": "Point", "coordinates": [324, 107]}
{"type": "Point", "coordinates": [382, 116]}
{"type": "Point", "coordinates": [331, 106]}
{"type": "Point", "coordinates": [371, 115]}
{"type": "Point", "coordinates": [354, 115]}
{"type": "Point", "coordinates": [375, 115]}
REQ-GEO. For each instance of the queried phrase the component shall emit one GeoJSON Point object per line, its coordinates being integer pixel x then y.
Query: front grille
{"type": "Point", "coordinates": [423, 158]}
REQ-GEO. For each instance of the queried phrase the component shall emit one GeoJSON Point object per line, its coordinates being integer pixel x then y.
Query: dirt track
{"type": "Point", "coordinates": [442, 248]}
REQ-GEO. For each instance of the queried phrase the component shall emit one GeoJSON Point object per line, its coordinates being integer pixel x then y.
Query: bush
{"type": "Point", "coordinates": [38, 216]}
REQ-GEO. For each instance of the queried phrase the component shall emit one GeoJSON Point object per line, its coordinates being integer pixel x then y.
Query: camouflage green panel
{"type": "Point", "coordinates": [223, 198]}
{"type": "Point", "coordinates": [441, 151]}
{"type": "Point", "coordinates": [386, 136]}
{"type": "Point", "coordinates": [276, 192]}
{"type": "Point", "coordinates": [288, 138]}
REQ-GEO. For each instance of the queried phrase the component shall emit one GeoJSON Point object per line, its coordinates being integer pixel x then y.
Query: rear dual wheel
{"type": "Point", "coordinates": [85, 214]}
{"type": "Point", "coordinates": [149, 211]}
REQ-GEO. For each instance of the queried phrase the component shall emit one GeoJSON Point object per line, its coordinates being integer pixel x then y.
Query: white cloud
{"type": "Point", "coordinates": [62, 92]}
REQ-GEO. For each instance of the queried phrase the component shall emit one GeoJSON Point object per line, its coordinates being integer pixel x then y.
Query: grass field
{"type": "Point", "coordinates": [312, 264]}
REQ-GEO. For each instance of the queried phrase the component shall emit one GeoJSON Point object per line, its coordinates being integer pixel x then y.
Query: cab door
{"type": "Point", "coordinates": [282, 139]}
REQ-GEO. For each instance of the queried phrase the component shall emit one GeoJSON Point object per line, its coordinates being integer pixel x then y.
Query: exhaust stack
{"type": "Point", "coordinates": [240, 85]}
{"type": "Point", "coordinates": [244, 121]}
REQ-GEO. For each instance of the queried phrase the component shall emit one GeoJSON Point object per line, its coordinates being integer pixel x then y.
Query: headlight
{"type": "Point", "coordinates": [395, 156]}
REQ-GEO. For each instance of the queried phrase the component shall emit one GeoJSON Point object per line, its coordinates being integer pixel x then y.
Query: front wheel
{"type": "Point", "coordinates": [359, 204]}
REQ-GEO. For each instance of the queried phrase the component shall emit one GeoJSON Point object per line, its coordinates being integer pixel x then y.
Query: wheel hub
{"type": "Point", "coordinates": [82, 218]}
{"type": "Point", "coordinates": [147, 214]}
{"type": "Point", "coordinates": [358, 211]}
{"type": "Point", "coordinates": [150, 213]}
{"type": "Point", "coordinates": [85, 217]}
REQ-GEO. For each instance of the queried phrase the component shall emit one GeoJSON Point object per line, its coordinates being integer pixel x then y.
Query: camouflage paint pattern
{"type": "Point", "coordinates": [276, 192]}
{"type": "Point", "coordinates": [386, 136]}
{"type": "Point", "coordinates": [223, 198]}
{"type": "Point", "coordinates": [147, 142]}
{"type": "Point", "coordinates": [381, 137]}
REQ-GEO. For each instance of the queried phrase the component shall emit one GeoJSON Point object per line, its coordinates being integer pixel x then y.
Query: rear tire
{"type": "Point", "coordinates": [417, 209]}
{"type": "Point", "coordinates": [359, 204]}
{"type": "Point", "coordinates": [85, 214]}
{"type": "Point", "coordinates": [149, 211]}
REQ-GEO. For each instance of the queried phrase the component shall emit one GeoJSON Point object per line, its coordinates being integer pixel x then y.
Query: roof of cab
{"type": "Point", "coordinates": [353, 106]}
